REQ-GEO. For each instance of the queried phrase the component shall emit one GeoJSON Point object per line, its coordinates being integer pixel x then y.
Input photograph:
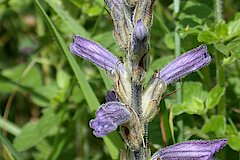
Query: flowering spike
{"type": "Point", "coordinates": [96, 54]}
{"type": "Point", "coordinates": [189, 62]}
{"type": "Point", "coordinates": [190, 150]}
{"type": "Point", "coordinates": [108, 117]}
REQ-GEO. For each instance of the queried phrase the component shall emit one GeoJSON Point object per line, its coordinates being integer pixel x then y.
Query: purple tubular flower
{"type": "Point", "coordinates": [108, 117]}
{"type": "Point", "coordinates": [96, 54]}
{"type": "Point", "coordinates": [190, 150]}
{"type": "Point", "coordinates": [189, 62]}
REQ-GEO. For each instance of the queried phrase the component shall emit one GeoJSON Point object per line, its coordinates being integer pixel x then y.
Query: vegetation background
{"type": "Point", "coordinates": [47, 96]}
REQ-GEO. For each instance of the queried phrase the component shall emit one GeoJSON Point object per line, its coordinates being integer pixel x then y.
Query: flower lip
{"type": "Point", "coordinates": [96, 54]}
{"type": "Point", "coordinates": [188, 62]}
{"type": "Point", "coordinates": [108, 117]}
{"type": "Point", "coordinates": [191, 150]}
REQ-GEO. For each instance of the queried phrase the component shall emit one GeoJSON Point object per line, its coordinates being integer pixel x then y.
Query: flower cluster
{"type": "Point", "coordinates": [129, 106]}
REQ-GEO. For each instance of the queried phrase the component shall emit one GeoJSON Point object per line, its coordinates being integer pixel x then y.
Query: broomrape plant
{"type": "Point", "coordinates": [129, 106]}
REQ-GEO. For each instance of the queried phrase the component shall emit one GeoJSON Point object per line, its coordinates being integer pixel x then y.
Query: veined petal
{"type": "Point", "coordinates": [190, 150]}
{"type": "Point", "coordinates": [108, 117]}
{"type": "Point", "coordinates": [189, 62]}
{"type": "Point", "coordinates": [102, 128]}
{"type": "Point", "coordinates": [96, 54]}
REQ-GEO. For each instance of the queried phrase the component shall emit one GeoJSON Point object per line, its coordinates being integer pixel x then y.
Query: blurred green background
{"type": "Point", "coordinates": [47, 96]}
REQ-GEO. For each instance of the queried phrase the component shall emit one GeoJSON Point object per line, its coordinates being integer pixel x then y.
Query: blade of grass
{"type": "Point", "coordinates": [9, 146]}
{"type": "Point", "coordinates": [9, 127]}
{"type": "Point", "coordinates": [84, 85]}
{"type": "Point", "coordinates": [165, 120]}
{"type": "Point", "coordinates": [67, 19]}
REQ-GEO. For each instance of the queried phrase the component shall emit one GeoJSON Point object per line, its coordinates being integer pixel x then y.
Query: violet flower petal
{"type": "Point", "coordinates": [96, 54]}
{"type": "Point", "coordinates": [108, 117]}
{"type": "Point", "coordinates": [190, 150]}
{"type": "Point", "coordinates": [103, 127]}
{"type": "Point", "coordinates": [189, 62]}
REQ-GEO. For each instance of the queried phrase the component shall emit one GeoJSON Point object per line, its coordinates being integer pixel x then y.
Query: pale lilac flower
{"type": "Point", "coordinates": [108, 117]}
{"type": "Point", "coordinates": [190, 150]}
{"type": "Point", "coordinates": [96, 54]}
{"type": "Point", "coordinates": [189, 62]}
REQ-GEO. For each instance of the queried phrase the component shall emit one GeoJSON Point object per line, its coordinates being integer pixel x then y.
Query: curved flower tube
{"type": "Point", "coordinates": [96, 54]}
{"type": "Point", "coordinates": [190, 61]}
{"type": "Point", "coordinates": [190, 150]}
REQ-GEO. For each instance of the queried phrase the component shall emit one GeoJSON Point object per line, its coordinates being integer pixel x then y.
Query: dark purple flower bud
{"type": "Point", "coordinates": [96, 54]}
{"type": "Point", "coordinates": [189, 62]}
{"type": "Point", "coordinates": [108, 117]}
{"type": "Point", "coordinates": [191, 150]}
{"type": "Point", "coordinates": [111, 96]}
{"type": "Point", "coordinates": [140, 38]}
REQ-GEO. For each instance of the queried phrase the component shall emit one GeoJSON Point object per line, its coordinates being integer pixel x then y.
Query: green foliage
{"type": "Point", "coordinates": [47, 96]}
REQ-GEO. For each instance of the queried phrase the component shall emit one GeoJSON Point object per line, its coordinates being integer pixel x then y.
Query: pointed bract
{"type": "Point", "coordinates": [96, 54]}
{"type": "Point", "coordinates": [191, 150]}
{"type": "Point", "coordinates": [189, 62]}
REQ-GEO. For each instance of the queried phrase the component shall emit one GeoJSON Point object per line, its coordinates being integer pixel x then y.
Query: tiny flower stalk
{"type": "Point", "coordinates": [129, 106]}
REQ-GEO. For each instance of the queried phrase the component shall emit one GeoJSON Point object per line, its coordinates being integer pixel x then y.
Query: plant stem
{"type": "Point", "coordinates": [219, 57]}
{"type": "Point", "coordinates": [136, 102]}
{"type": "Point", "coordinates": [177, 53]}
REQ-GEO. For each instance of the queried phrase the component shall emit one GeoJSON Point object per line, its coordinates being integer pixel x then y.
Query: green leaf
{"type": "Point", "coordinates": [221, 30]}
{"type": "Point", "coordinates": [9, 126]}
{"type": "Point", "coordinates": [169, 40]}
{"type": "Point", "coordinates": [34, 132]}
{"type": "Point", "coordinates": [234, 47]}
{"type": "Point", "coordinates": [44, 94]}
{"type": "Point", "coordinates": [77, 95]}
{"type": "Point", "coordinates": [196, 106]}
{"type": "Point", "coordinates": [234, 27]}
{"type": "Point", "coordinates": [193, 99]}
{"type": "Point", "coordinates": [233, 142]}
{"type": "Point", "coordinates": [214, 96]}
{"type": "Point", "coordinates": [207, 37]}
{"type": "Point", "coordinates": [10, 147]}
{"type": "Point", "coordinates": [67, 19]}
{"type": "Point", "coordinates": [26, 75]}
{"type": "Point", "coordinates": [222, 48]}
{"type": "Point", "coordinates": [216, 124]}
{"type": "Point", "coordinates": [6, 86]}
{"type": "Point", "coordinates": [193, 90]}
{"type": "Point", "coordinates": [63, 79]}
